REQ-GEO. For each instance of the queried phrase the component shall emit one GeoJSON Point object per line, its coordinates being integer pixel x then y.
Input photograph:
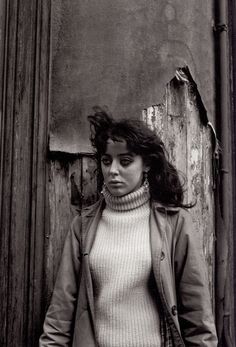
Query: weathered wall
{"type": "Point", "coordinates": [189, 143]}
{"type": "Point", "coordinates": [107, 62]}
{"type": "Point", "coordinates": [122, 54]}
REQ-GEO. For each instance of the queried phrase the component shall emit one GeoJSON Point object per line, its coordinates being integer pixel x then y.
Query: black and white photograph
{"type": "Point", "coordinates": [117, 173]}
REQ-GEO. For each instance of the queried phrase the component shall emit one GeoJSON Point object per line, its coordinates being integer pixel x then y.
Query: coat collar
{"type": "Point", "coordinates": [164, 208]}
{"type": "Point", "coordinates": [90, 211]}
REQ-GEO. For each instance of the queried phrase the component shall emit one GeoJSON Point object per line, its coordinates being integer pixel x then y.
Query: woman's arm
{"type": "Point", "coordinates": [194, 302]}
{"type": "Point", "coordinates": [58, 324]}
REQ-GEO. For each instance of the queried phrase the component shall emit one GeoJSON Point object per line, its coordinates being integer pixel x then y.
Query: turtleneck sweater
{"type": "Point", "coordinates": [126, 312]}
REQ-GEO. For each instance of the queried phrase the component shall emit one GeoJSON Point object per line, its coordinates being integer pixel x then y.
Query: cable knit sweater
{"type": "Point", "coordinates": [126, 314]}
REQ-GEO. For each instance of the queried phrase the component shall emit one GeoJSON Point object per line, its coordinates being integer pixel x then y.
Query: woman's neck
{"type": "Point", "coordinates": [127, 202]}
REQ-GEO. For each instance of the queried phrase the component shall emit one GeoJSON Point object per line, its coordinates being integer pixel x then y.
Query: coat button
{"type": "Point", "coordinates": [162, 255]}
{"type": "Point", "coordinates": [174, 310]}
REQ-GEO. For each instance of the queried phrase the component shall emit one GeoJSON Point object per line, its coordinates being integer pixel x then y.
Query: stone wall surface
{"type": "Point", "coordinates": [122, 54]}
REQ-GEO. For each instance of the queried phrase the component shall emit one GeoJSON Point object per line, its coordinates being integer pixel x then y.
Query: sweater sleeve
{"type": "Point", "coordinates": [194, 302]}
{"type": "Point", "coordinates": [59, 320]}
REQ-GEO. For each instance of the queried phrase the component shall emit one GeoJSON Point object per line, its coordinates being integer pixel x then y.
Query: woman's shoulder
{"type": "Point", "coordinates": [176, 215]}
{"type": "Point", "coordinates": [170, 209]}
{"type": "Point", "coordinates": [87, 211]}
{"type": "Point", "coordinates": [92, 209]}
{"type": "Point", "coordinates": [81, 220]}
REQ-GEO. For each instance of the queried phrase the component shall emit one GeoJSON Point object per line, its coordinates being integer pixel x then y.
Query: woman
{"type": "Point", "coordinates": [132, 273]}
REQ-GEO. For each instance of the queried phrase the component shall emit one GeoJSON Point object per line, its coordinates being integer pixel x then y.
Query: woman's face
{"type": "Point", "coordinates": [122, 170]}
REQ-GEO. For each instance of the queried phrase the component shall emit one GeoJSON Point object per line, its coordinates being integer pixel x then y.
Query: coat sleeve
{"type": "Point", "coordinates": [193, 296]}
{"type": "Point", "coordinates": [58, 324]}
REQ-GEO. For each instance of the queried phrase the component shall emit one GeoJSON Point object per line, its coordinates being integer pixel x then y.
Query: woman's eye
{"type": "Point", "coordinates": [125, 162]}
{"type": "Point", "coordinates": [106, 161]}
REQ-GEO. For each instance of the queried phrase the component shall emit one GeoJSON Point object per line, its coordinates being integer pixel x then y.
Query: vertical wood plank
{"type": "Point", "coordinates": [60, 218]}
{"type": "Point", "coordinates": [76, 189]}
{"type": "Point", "coordinates": [176, 131]}
{"type": "Point", "coordinates": [39, 194]}
{"type": "Point", "coordinates": [19, 246]}
{"type": "Point", "coordinates": [200, 182]}
{"type": "Point", "coordinates": [23, 169]}
{"type": "Point", "coordinates": [65, 202]}
{"type": "Point", "coordinates": [7, 121]}
{"type": "Point", "coordinates": [154, 118]}
{"type": "Point", "coordinates": [73, 185]}
{"type": "Point", "coordinates": [3, 17]}
{"type": "Point", "coordinates": [89, 181]}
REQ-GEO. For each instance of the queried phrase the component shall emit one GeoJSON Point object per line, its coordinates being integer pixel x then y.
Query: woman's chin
{"type": "Point", "coordinates": [118, 191]}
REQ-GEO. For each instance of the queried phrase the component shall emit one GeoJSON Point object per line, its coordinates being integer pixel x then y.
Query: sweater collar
{"type": "Point", "coordinates": [127, 202]}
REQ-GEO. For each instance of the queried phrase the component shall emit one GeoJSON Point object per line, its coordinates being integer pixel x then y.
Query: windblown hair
{"type": "Point", "coordinates": [164, 179]}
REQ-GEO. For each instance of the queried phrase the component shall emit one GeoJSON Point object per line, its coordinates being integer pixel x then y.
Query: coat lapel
{"type": "Point", "coordinates": [156, 244]}
{"type": "Point", "coordinates": [89, 225]}
{"type": "Point", "coordinates": [162, 268]}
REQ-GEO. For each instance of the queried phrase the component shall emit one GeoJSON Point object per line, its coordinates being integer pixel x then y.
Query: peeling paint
{"type": "Point", "coordinates": [189, 144]}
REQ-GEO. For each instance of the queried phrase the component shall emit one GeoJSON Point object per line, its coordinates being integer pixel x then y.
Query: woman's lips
{"type": "Point", "coordinates": [115, 183]}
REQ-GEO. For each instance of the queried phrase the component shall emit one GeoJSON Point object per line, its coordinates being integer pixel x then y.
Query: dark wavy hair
{"type": "Point", "coordinates": [163, 177]}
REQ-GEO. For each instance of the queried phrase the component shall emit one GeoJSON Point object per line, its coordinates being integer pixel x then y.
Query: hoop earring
{"type": "Point", "coordinates": [145, 182]}
{"type": "Point", "coordinates": [103, 188]}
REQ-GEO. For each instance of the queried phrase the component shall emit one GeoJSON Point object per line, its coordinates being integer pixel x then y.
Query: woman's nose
{"type": "Point", "coordinates": [114, 168]}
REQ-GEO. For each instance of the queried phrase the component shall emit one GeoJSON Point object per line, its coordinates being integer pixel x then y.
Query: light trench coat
{"type": "Point", "coordinates": [179, 270]}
